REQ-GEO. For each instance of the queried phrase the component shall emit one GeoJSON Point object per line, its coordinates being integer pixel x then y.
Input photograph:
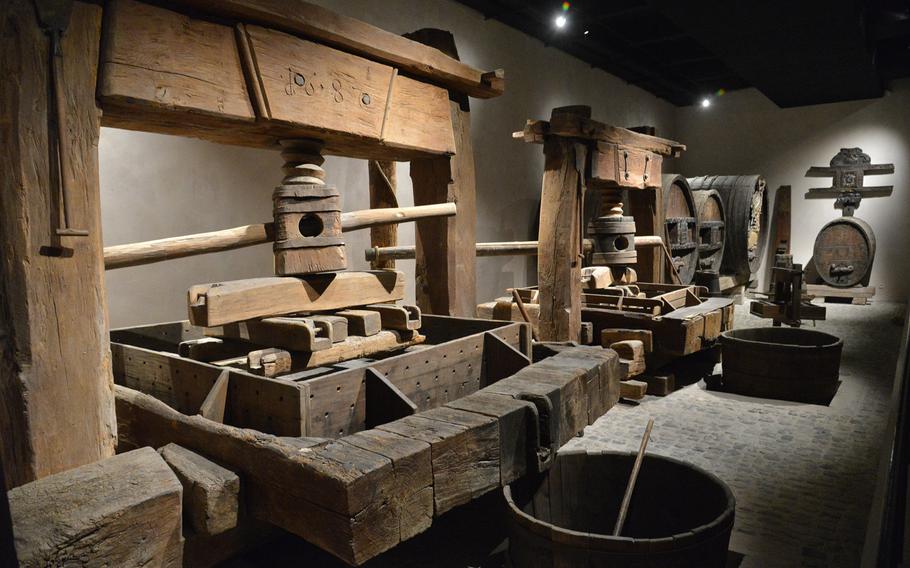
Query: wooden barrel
{"type": "Point", "coordinates": [711, 229]}
{"type": "Point", "coordinates": [844, 251]}
{"type": "Point", "coordinates": [681, 225]}
{"type": "Point", "coordinates": [783, 363]}
{"type": "Point", "coordinates": [746, 207]}
{"type": "Point", "coordinates": [680, 515]}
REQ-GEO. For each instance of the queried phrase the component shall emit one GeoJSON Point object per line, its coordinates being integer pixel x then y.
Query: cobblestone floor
{"type": "Point", "coordinates": [803, 475]}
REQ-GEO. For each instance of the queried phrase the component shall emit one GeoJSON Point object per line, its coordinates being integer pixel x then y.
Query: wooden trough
{"type": "Point", "coordinates": [565, 517]}
{"type": "Point", "coordinates": [366, 454]}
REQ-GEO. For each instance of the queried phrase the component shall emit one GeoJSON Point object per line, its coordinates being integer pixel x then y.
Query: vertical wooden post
{"type": "Point", "coordinates": [383, 180]}
{"type": "Point", "coordinates": [56, 387]}
{"type": "Point", "coordinates": [646, 206]}
{"type": "Point", "coordinates": [7, 542]}
{"type": "Point", "coordinates": [446, 280]}
{"type": "Point", "coordinates": [560, 240]}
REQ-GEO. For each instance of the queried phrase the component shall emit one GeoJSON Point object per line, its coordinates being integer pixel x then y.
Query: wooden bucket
{"type": "Point", "coordinates": [844, 251]}
{"type": "Point", "coordinates": [711, 229]}
{"type": "Point", "coordinates": [782, 363]}
{"type": "Point", "coordinates": [746, 224]}
{"type": "Point", "coordinates": [680, 515]}
{"type": "Point", "coordinates": [682, 229]}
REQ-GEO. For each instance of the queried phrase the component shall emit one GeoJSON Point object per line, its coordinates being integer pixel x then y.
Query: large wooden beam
{"type": "Point", "coordinates": [121, 511]}
{"type": "Point", "coordinates": [56, 398]}
{"type": "Point", "coordinates": [348, 34]}
{"type": "Point", "coordinates": [162, 71]}
{"type": "Point", "coordinates": [559, 260]}
{"type": "Point", "coordinates": [446, 281]}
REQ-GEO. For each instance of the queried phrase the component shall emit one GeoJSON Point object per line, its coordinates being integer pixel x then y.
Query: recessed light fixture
{"type": "Point", "coordinates": [705, 102]}
{"type": "Point", "coordinates": [560, 21]}
{"type": "Point", "coordinates": [586, 32]}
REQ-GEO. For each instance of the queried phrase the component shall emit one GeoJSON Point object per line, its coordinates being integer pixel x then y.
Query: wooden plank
{"type": "Point", "coordinates": [55, 371]}
{"type": "Point", "coordinates": [445, 247]}
{"type": "Point", "coordinates": [297, 333]}
{"type": "Point", "coordinates": [155, 57]}
{"type": "Point", "coordinates": [355, 347]}
{"type": "Point", "coordinates": [646, 207]}
{"type": "Point", "coordinates": [676, 336]}
{"type": "Point", "coordinates": [210, 492]}
{"type": "Point", "coordinates": [574, 125]}
{"type": "Point", "coordinates": [820, 290]}
{"type": "Point", "coordinates": [418, 117]}
{"type": "Point", "coordinates": [384, 401]}
{"type": "Point", "coordinates": [333, 495]}
{"type": "Point", "coordinates": [464, 449]}
{"type": "Point", "coordinates": [559, 262]}
{"type": "Point", "coordinates": [209, 349]}
{"type": "Point", "coordinates": [260, 403]}
{"type": "Point", "coordinates": [362, 322]}
{"type": "Point", "coordinates": [358, 37]}
{"type": "Point", "coordinates": [238, 300]}
{"type": "Point", "coordinates": [383, 180]}
{"type": "Point", "coordinates": [213, 405]}
{"type": "Point", "coordinates": [95, 515]}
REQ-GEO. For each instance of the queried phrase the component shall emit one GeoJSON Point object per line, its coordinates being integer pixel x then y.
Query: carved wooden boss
{"type": "Point", "coordinates": [259, 73]}
{"type": "Point", "coordinates": [581, 153]}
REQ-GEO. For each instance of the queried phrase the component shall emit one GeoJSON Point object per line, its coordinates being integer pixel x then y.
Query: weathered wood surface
{"type": "Point", "coordinates": [402, 318]}
{"type": "Point", "coordinates": [354, 347]}
{"type": "Point", "coordinates": [632, 354]}
{"type": "Point", "coordinates": [56, 403]}
{"type": "Point", "coordinates": [189, 77]}
{"type": "Point", "coordinates": [383, 178]}
{"type": "Point", "coordinates": [445, 268]}
{"type": "Point", "coordinates": [121, 511]}
{"type": "Point", "coordinates": [7, 544]}
{"type": "Point", "coordinates": [648, 210]}
{"type": "Point", "coordinates": [348, 34]}
{"type": "Point", "coordinates": [157, 250]}
{"type": "Point", "coordinates": [296, 333]}
{"type": "Point", "coordinates": [612, 335]}
{"type": "Point", "coordinates": [576, 125]}
{"type": "Point", "coordinates": [384, 401]}
{"type": "Point", "coordinates": [362, 322]}
{"type": "Point", "coordinates": [228, 302]}
{"type": "Point", "coordinates": [844, 252]}
{"type": "Point", "coordinates": [216, 401]}
{"type": "Point", "coordinates": [210, 492]}
{"type": "Point", "coordinates": [633, 389]}
{"type": "Point", "coordinates": [559, 261]}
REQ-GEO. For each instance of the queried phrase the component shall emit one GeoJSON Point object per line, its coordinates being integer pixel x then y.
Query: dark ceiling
{"type": "Point", "coordinates": [796, 52]}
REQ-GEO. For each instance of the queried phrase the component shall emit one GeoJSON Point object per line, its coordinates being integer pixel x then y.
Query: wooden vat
{"type": "Point", "coordinates": [361, 456]}
{"type": "Point", "coordinates": [682, 227]}
{"type": "Point", "coordinates": [746, 206]}
{"type": "Point", "coordinates": [843, 253]}
{"type": "Point", "coordinates": [679, 516]}
{"type": "Point", "coordinates": [711, 229]}
{"type": "Point", "coordinates": [782, 363]}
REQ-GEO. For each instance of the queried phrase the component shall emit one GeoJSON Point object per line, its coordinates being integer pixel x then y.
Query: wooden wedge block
{"type": "Point", "coordinates": [660, 385]}
{"type": "Point", "coordinates": [336, 326]}
{"type": "Point", "coordinates": [286, 332]}
{"type": "Point", "coordinates": [632, 352]}
{"type": "Point", "coordinates": [633, 389]}
{"type": "Point", "coordinates": [210, 492]}
{"type": "Point", "coordinates": [270, 362]}
{"type": "Point", "coordinates": [228, 302]}
{"type": "Point", "coordinates": [96, 515]}
{"type": "Point", "coordinates": [610, 336]}
{"type": "Point", "coordinates": [216, 401]}
{"type": "Point", "coordinates": [464, 448]}
{"type": "Point", "coordinates": [397, 317]}
{"type": "Point", "coordinates": [362, 322]}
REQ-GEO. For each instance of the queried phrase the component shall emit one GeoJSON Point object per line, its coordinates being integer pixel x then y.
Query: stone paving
{"type": "Point", "coordinates": [803, 475]}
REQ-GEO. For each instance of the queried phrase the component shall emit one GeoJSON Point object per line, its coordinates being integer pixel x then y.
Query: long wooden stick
{"type": "Point", "coordinates": [627, 498]}
{"type": "Point", "coordinates": [135, 254]}
{"type": "Point", "coordinates": [524, 312]}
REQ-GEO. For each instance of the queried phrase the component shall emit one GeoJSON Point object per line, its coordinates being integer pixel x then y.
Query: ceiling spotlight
{"type": "Point", "coordinates": [586, 32]}
{"type": "Point", "coordinates": [560, 21]}
{"type": "Point", "coordinates": [705, 102]}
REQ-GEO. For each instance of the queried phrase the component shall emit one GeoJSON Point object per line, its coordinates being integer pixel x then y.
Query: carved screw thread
{"type": "Point", "coordinates": [302, 162]}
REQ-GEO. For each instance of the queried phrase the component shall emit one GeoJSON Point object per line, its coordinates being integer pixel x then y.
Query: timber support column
{"type": "Point", "coordinates": [560, 239]}
{"type": "Point", "coordinates": [383, 181]}
{"type": "Point", "coordinates": [56, 387]}
{"type": "Point", "coordinates": [446, 279]}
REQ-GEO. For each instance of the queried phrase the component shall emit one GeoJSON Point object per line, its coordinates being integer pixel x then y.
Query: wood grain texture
{"type": "Point", "coordinates": [55, 371]}
{"type": "Point", "coordinates": [383, 179]}
{"type": "Point", "coordinates": [445, 248]}
{"type": "Point", "coordinates": [120, 511]}
{"type": "Point", "coordinates": [210, 492]}
{"type": "Point", "coordinates": [358, 37]}
{"type": "Point", "coordinates": [228, 302]}
{"type": "Point", "coordinates": [559, 260]}
{"type": "Point", "coordinates": [155, 57]}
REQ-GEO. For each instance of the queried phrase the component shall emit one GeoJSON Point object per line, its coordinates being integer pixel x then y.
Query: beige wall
{"type": "Point", "coordinates": [157, 186]}
{"type": "Point", "coordinates": [745, 133]}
